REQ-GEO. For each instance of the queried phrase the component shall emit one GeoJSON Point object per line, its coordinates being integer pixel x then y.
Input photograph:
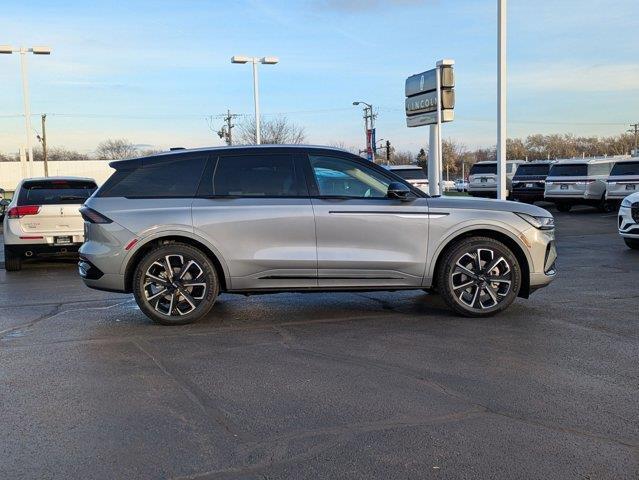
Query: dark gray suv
{"type": "Point", "coordinates": [177, 229]}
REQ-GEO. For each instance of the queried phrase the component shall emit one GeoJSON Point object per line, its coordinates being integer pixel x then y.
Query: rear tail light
{"type": "Point", "coordinates": [22, 210]}
{"type": "Point", "coordinates": [91, 216]}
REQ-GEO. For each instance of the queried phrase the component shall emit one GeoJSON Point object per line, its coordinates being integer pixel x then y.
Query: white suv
{"type": "Point", "coordinates": [629, 220]}
{"type": "Point", "coordinates": [43, 218]}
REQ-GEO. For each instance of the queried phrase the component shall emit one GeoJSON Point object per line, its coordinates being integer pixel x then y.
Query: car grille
{"type": "Point", "coordinates": [635, 212]}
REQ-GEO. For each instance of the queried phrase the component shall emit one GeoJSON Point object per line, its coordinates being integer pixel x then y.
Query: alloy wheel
{"type": "Point", "coordinates": [174, 285]}
{"type": "Point", "coordinates": [481, 278]}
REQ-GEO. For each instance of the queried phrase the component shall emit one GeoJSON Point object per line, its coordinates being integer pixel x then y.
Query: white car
{"type": "Point", "coordinates": [629, 220]}
{"type": "Point", "coordinates": [461, 185]}
{"type": "Point", "coordinates": [413, 174]}
{"type": "Point", "coordinates": [623, 180]}
{"type": "Point", "coordinates": [482, 178]}
{"type": "Point", "coordinates": [43, 218]}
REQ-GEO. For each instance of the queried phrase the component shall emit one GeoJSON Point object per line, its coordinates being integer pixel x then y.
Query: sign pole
{"type": "Point", "coordinates": [439, 128]}
{"type": "Point", "coordinates": [430, 100]}
{"type": "Point", "coordinates": [433, 161]}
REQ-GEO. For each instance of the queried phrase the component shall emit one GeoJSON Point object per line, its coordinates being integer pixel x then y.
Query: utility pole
{"type": "Point", "coordinates": [226, 131]}
{"type": "Point", "coordinates": [388, 146]}
{"type": "Point", "coordinates": [370, 140]}
{"type": "Point", "coordinates": [43, 139]}
{"type": "Point", "coordinates": [635, 130]}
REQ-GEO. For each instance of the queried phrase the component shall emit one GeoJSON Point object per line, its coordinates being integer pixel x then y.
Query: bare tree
{"type": "Point", "coordinates": [115, 149]}
{"type": "Point", "coordinates": [276, 131]}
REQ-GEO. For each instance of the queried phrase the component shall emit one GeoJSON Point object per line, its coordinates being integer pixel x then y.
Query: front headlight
{"type": "Point", "coordinates": [542, 223]}
{"type": "Point", "coordinates": [626, 203]}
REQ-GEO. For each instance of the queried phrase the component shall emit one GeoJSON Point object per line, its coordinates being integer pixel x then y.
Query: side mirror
{"type": "Point", "coordinates": [398, 190]}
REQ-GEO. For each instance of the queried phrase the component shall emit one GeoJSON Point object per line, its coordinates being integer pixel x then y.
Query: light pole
{"type": "Point", "coordinates": [501, 100]}
{"type": "Point", "coordinates": [256, 95]}
{"type": "Point", "coordinates": [8, 49]}
{"type": "Point", "coordinates": [368, 113]}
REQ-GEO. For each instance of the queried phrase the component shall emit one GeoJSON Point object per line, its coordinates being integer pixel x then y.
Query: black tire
{"type": "Point", "coordinates": [563, 207]}
{"type": "Point", "coordinates": [605, 206]}
{"type": "Point", "coordinates": [632, 243]}
{"type": "Point", "coordinates": [181, 302]}
{"type": "Point", "coordinates": [476, 300]}
{"type": "Point", "coordinates": [12, 261]}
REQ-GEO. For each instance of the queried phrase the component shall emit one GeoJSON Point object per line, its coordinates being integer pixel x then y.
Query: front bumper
{"type": "Point", "coordinates": [628, 226]}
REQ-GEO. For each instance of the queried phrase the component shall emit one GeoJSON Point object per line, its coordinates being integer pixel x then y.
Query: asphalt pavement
{"type": "Point", "coordinates": [344, 385]}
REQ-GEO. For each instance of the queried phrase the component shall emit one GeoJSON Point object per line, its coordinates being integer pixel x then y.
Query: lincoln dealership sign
{"type": "Point", "coordinates": [421, 97]}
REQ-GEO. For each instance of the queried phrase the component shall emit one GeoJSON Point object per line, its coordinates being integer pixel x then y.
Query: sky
{"type": "Point", "coordinates": [152, 71]}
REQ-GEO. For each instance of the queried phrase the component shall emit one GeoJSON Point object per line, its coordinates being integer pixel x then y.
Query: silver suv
{"type": "Point", "coordinates": [177, 229]}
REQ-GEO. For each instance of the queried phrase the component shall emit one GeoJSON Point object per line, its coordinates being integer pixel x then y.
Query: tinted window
{"type": "Point", "coordinates": [481, 168]}
{"type": "Point", "coordinates": [175, 178]}
{"type": "Point", "coordinates": [574, 170]}
{"type": "Point", "coordinates": [345, 178]}
{"type": "Point", "coordinates": [535, 169]}
{"type": "Point", "coordinates": [625, 168]}
{"type": "Point", "coordinates": [599, 169]}
{"type": "Point", "coordinates": [410, 174]}
{"type": "Point", "coordinates": [55, 192]}
{"type": "Point", "coordinates": [256, 176]}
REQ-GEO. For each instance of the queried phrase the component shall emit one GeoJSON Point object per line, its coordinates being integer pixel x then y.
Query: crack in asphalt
{"type": "Point", "coordinates": [202, 400]}
{"type": "Point", "coordinates": [417, 375]}
{"type": "Point", "coordinates": [45, 316]}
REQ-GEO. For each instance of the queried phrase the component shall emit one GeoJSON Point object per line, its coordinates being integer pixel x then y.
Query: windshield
{"type": "Point", "coordinates": [574, 170]}
{"type": "Point", "coordinates": [55, 192]}
{"type": "Point", "coordinates": [625, 168]}
{"type": "Point", "coordinates": [410, 173]}
{"type": "Point", "coordinates": [537, 169]}
{"type": "Point", "coordinates": [480, 168]}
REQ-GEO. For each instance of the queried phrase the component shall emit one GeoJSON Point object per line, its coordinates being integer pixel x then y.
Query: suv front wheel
{"type": "Point", "coordinates": [175, 284]}
{"type": "Point", "coordinates": [479, 276]}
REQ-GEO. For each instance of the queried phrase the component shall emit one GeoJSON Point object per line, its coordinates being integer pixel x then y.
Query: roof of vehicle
{"type": "Point", "coordinates": [182, 151]}
{"type": "Point", "coordinates": [403, 167]}
{"type": "Point", "coordinates": [487, 162]}
{"type": "Point", "coordinates": [591, 160]}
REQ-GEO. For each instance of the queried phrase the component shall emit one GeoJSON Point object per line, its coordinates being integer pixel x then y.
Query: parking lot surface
{"type": "Point", "coordinates": [370, 385]}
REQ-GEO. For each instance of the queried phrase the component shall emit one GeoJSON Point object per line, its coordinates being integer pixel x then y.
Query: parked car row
{"type": "Point", "coordinates": [599, 182]}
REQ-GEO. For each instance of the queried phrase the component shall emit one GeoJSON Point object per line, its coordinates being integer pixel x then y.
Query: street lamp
{"type": "Point", "coordinates": [368, 113]}
{"type": "Point", "coordinates": [39, 50]}
{"type": "Point", "coordinates": [256, 96]}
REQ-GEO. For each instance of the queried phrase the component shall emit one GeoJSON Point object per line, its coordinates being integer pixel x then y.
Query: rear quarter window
{"type": "Point", "coordinates": [55, 192]}
{"type": "Point", "coordinates": [179, 177]}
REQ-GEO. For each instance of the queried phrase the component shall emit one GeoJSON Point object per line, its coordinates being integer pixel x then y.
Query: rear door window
{"type": "Point", "coordinates": [599, 169]}
{"type": "Point", "coordinates": [55, 192]}
{"type": "Point", "coordinates": [257, 175]}
{"type": "Point", "coordinates": [179, 177]}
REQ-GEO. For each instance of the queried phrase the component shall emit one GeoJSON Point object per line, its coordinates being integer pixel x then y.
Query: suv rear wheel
{"type": "Point", "coordinates": [175, 284]}
{"type": "Point", "coordinates": [12, 261]}
{"type": "Point", "coordinates": [479, 276]}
